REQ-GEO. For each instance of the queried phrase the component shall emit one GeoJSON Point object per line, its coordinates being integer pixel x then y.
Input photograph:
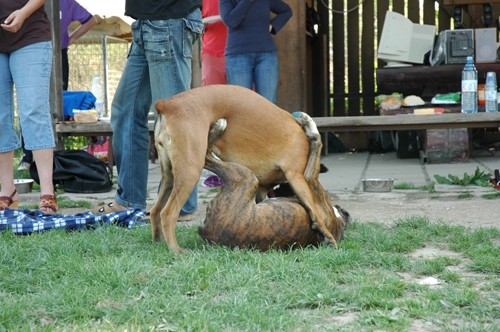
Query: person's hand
{"type": "Point", "coordinates": [14, 21]}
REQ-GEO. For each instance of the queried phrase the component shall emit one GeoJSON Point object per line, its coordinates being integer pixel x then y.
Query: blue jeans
{"type": "Point", "coordinates": [254, 70]}
{"type": "Point", "coordinates": [158, 67]}
{"type": "Point", "coordinates": [29, 69]}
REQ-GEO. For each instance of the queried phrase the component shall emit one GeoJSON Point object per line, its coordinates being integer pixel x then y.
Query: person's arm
{"type": "Point", "coordinates": [82, 29]}
{"type": "Point", "coordinates": [15, 20]}
{"type": "Point", "coordinates": [283, 13]}
{"type": "Point", "coordinates": [232, 15]}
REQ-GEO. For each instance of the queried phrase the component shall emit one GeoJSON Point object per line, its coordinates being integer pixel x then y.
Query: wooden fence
{"type": "Point", "coordinates": [355, 29]}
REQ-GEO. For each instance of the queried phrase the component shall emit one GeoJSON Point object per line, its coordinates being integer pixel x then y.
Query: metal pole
{"type": "Point", "coordinates": [56, 100]}
{"type": "Point", "coordinates": [105, 73]}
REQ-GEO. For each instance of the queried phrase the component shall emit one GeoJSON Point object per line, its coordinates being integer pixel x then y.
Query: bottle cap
{"type": "Point", "coordinates": [491, 78]}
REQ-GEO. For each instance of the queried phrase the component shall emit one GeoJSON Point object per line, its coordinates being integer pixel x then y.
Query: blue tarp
{"type": "Point", "coordinates": [78, 100]}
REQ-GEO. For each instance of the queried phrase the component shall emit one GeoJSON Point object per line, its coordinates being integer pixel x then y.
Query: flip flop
{"type": "Point", "coordinates": [48, 204]}
{"type": "Point", "coordinates": [9, 202]}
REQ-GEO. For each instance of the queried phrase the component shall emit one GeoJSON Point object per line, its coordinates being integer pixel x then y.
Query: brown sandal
{"type": "Point", "coordinates": [9, 202]}
{"type": "Point", "coordinates": [48, 204]}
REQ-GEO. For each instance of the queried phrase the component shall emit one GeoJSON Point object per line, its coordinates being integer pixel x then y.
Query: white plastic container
{"type": "Point", "coordinates": [98, 92]}
{"type": "Point", "coordinates": [490, 90]}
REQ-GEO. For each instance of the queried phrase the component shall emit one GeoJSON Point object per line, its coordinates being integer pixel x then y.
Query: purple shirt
{"type": "Point", "coordinates": [70, 11]}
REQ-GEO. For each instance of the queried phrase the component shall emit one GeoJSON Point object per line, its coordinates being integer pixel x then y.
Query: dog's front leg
{"type": "Point", "coordinates": [170, 213]}
{"type": "Point", "coordinates": [168, 222]}
{"type": "Point", "coordinates": [183, 184]}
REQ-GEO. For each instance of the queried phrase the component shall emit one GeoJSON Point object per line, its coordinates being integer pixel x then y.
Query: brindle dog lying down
{"type": "Point", "coordinates": [234, 219]}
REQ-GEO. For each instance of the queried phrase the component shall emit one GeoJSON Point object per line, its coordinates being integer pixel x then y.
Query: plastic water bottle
{"type": "Point", "coordinates": [469, 87]}
{"type": "Point", "coordinates": [97, 91]}
{"type": "Point", "coordinates": [490, 92]}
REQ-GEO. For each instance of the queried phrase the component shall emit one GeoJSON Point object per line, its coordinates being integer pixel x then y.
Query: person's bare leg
{"type": "Point", "coordinates": [7, 175]}
{"type": "Point", "coordinates": [44, 159]}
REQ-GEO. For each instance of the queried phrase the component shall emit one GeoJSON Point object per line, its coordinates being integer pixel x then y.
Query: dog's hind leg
{"type": "Point", "coordinates": [302, 184]}
{"type": "Point", "coordinates": [305, 195]}
{"type": "Point", "coordinates": [334, 222]}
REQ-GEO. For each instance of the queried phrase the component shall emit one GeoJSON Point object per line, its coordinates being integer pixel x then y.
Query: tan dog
{"type": "Point", "coordinates": [259, 135]}
{"type": "Point", "coordinates": [234, 219]}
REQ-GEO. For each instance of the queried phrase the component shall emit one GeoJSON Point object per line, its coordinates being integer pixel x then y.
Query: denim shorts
{"type": "Point", "coordinates": [28, 69]}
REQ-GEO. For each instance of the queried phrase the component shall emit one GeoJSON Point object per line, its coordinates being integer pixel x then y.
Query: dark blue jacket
{"type": "Point", "coordinates": [248, 24]}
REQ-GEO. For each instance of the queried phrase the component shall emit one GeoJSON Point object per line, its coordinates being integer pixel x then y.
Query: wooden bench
{"type": "Point", "coordinates": [408, 122]}
{"type": "Point", "coordinates": [100, 128]}
{"type": "Point", "coordinates": [336, 124]}
{"type": "Point", "coordinates": [332, 124]}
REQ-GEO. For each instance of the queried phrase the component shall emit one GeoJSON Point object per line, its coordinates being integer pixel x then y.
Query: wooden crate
{"type": "Point", "coordinates": [445, 145]}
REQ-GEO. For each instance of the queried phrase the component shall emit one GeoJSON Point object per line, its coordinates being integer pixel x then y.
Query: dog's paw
{"type": "Point", "coordinates": [330, 243]}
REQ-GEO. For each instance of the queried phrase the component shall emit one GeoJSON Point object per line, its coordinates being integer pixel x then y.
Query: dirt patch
{"type": "Point", "coordinates": [420, 325]}
{"type": "Point", "coordinates": [442, 206]}
{"type": "Point", "coordinates": [432, 252]}
{"type": "Point", "coordinates": [342, 319]}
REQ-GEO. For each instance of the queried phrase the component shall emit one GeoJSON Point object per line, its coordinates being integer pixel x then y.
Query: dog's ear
{"type": "Point", "coordinates": [345, 215]}
{"type": "Point", "coordinates": [161, 106]}
{"type": "Point", "coordinates": [323, 168]}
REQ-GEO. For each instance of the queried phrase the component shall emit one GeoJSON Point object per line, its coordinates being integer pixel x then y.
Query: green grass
{"type": "Point", "coordinates": [465, 195]}
{"type": "Point", "coordinates": [479, 178]}
{"type": "Point", "coordinates": [112, 279]}
{"type": "Point", "coordinates": [411, 186]}
{"type": "Point", "coordinates": [493, 195]}
{"type": "Point", "coordinates": [431, 189]}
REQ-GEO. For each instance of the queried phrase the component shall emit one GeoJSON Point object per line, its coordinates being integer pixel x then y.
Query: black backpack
{"type": "Point", "coordinates": [78, 171]}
